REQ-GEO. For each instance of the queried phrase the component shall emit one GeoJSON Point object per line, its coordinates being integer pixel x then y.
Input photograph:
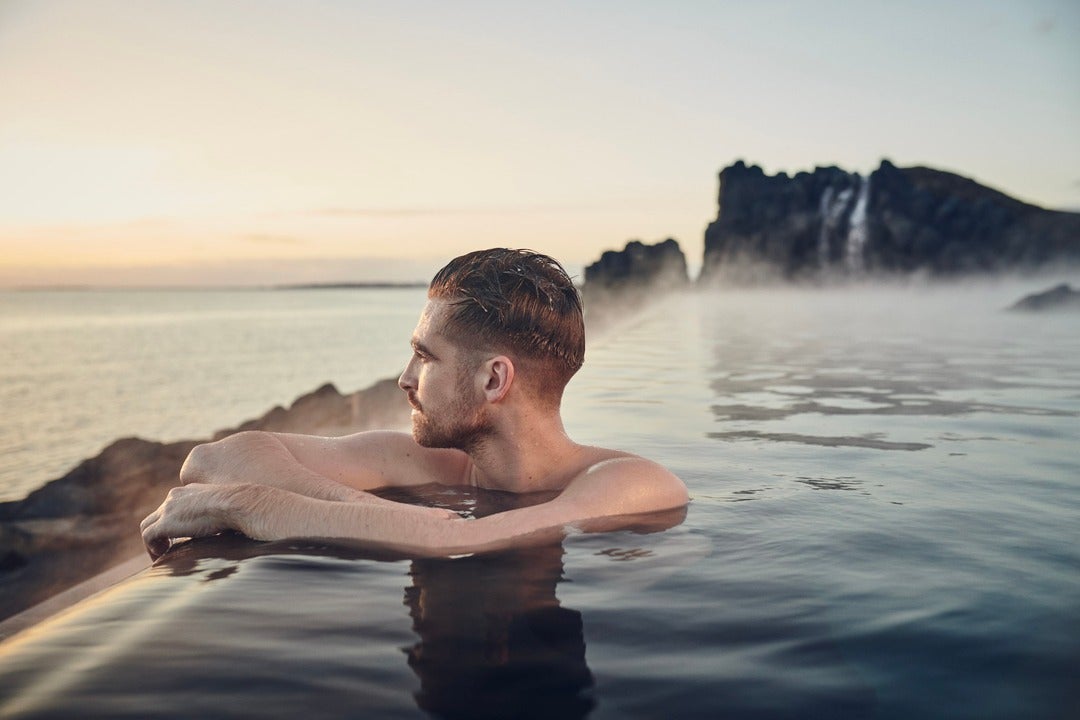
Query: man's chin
{"type": "Point", "coordinates": [461, 437]}
{"type": "Point", "coordinates": [423, 435]}
{"type": "Point", "coordinates": [417, 431]}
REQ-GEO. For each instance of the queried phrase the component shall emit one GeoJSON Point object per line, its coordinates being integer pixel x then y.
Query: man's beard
{"type": "Point", "coordinates": [462, 428]}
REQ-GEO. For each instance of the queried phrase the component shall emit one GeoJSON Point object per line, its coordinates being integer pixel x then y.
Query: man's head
{"type": "Point", "coordinates": [520, 303]}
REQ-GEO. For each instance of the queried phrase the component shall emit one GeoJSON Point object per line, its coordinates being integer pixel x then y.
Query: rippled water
{"type": "Point", "coordinates": [889, 484]}
{"type": "Point", "coordinates": [884, 524]}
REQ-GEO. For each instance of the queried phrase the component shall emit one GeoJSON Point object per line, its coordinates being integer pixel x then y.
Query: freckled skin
{"type": "Point", "coordinates": [473, 424]}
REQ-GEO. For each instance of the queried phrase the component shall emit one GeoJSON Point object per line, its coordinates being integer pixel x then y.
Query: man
{"type": "Point", "coordinates": [500, 337]}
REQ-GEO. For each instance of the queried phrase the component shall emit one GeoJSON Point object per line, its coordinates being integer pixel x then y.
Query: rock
{"type": "Point", "coordinates": [623, 279]}
{"type": "Point", "coordinates": [129, 471]}
{"type": "Point", "coordinates": [661, 266]}
{"type": "Point", "coordinates": [829, 223]}
{"type": "Point", "coordinates": [87, 521]}
{"type": "Point", "coordinates": [1059, 297]}
{"type": "Point", "coordinates": [327, 412]}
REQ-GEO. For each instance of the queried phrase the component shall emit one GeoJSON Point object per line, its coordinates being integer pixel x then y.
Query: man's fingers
{"type": "Point", "coordinates": [156, 544]}
{"type": "Point", "coordinates": [149, 520]}
{"type": "Point", "coordinates": [180, 515]}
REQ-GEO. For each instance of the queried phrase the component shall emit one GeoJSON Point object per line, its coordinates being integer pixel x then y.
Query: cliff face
{"type": "Point", "coordinates": [896, 220]}
{"type": "Point", "coordinates": [662, 266]}
{"type": "Point", "coordinates": [623, 279]}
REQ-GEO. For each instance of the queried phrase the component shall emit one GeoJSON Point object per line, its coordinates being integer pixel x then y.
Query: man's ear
{"type": "Point", "coordinates": [498, 377]}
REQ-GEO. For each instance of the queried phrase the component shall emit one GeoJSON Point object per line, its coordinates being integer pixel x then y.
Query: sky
{"type": "Point", "coordinates": [194, 142]}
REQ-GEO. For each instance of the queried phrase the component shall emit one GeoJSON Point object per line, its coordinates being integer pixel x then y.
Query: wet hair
{"type": "Point", "coordinates": [518, 301]}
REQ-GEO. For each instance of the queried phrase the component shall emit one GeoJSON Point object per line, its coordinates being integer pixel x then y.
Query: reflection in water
{"type": "Point", "coordinates": [220, 556]}
{"type": "Point", "coordinates": [494, 641]}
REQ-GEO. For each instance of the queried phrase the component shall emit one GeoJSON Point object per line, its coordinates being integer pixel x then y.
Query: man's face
{"type": "Point", "coordinates": [440, 379]}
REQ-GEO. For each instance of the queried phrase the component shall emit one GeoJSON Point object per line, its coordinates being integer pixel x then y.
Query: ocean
{"type": "Point", "coordinates": [885, 516]}
{"type": "Point", "coordinates": [79, 369]}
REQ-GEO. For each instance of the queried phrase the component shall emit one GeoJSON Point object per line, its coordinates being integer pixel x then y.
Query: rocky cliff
{"type": "Point", "coordinates": [662, 265]}
{"type": "Point", "coordinates": [622, 279]}
{"type": "Point", "coordinates": [830, 222]}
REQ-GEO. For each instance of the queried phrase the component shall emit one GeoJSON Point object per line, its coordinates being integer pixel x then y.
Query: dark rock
{"type": "Point", "coordinates": [129, 471]}
{"type": "Point", "coordinates": [327, 412]}
{"type": "Point", "coordinates": [661, 266]}
{"type": "Point", "coordinates": [1059, 297]}
{"type": "Point", "coordinates": [896, 220]}
{"type": "Point", "coordinates": [623, 279]}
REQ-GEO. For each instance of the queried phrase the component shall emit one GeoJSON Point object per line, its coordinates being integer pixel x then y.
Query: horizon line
{"type": "Point", "coordinates": [332, 285]}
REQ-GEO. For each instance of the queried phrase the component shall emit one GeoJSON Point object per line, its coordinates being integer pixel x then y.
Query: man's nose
{"type": "Point", "coordinates": [406, 381]}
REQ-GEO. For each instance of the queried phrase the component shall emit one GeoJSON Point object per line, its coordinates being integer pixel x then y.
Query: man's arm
{"type": "Point", "coordinates": [321, 467]}
{"type": "Point", "coordinates": [620, 486]}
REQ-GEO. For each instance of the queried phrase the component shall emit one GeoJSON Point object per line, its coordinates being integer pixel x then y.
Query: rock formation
{"type": "Point", "coordinates": [623, 279]}
{"type": "Point", "coordinates": [1060, 297]}
{"type": "Point", "coordinates": [87, 521]}
{"type": "Point", "coordinates": [896, 220]}
{"type": "Point", "coordinates": [662, 265]}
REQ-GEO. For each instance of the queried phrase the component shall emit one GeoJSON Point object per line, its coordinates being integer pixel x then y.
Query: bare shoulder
{"type": "Point", "coordinates": [627, 483]}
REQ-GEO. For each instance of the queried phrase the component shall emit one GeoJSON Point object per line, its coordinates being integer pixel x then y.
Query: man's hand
{"type": "Point", "coordinates": [190, 511]}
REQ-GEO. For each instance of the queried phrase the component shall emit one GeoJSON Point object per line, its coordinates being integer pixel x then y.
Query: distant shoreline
{"type": "Point", "coordinates": [351, 286]}
{"type": "Point", "coordinates": [374, 285]}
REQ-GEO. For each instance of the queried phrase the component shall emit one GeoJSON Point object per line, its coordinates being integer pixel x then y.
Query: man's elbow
{"type": "Point", "coordinates": [207, 463]}
{"type": "Point", "coordinates": [196, 467]}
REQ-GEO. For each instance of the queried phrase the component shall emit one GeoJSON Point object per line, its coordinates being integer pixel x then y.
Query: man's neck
{"type": "Point", "coordinates": [529, 458]}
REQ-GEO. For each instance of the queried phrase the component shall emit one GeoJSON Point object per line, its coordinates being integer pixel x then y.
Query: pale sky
{"type": "Point", "coordinates": [210, 142]}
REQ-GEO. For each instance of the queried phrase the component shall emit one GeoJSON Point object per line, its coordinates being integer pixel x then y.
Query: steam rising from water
{"type": "Point", "coordinates": [908, 366]}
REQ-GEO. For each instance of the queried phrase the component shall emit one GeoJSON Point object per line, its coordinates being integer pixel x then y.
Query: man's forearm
{"type": "Point", "coordinates": [259, 459]}
{"type": "Point", "coordinates": [267, 513]}
{"type": "Point", "coordinates": [264, 513]}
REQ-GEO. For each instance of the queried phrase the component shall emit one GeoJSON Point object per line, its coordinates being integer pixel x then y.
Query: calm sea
{"type": "Point", "coordinates": [885, 520]}
{"type": "Point", "coordinates": [81, 369]}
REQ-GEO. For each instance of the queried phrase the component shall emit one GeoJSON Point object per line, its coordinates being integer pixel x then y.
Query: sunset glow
{"type": "Point", "coordinates": [142, 141]}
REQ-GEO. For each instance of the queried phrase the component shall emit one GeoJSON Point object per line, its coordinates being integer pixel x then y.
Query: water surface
{"type": "Point", "coordinates": [79, 369]}
{"type": "Point", "coordinates": [883, 524]}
